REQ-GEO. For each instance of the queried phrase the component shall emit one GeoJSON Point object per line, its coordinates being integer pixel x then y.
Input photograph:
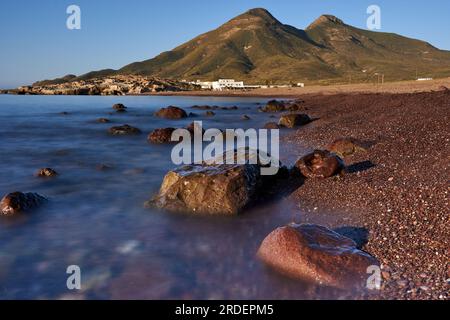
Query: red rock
{"type": "Point", "coordinates": [162, 135]}
{"type": "Point", "coordinates": [320, 164]}
{"type": "Point", "coordinates": [316, 254]}
{"type": "Point", "coordinates": [17, 202]}
{"type": "Point", "coordinates": [171, 112]}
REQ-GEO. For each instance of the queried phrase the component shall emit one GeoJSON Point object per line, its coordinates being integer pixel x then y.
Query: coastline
{"type": "Point", "coordinates": [395, 193]}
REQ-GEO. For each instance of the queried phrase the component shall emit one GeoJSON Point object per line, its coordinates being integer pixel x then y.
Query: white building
{"type": "Point", "coordinates": [221, 84]}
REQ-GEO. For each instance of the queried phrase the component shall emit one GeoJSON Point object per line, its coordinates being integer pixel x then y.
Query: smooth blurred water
{"type": "Point", "coordinates": [96, 219]}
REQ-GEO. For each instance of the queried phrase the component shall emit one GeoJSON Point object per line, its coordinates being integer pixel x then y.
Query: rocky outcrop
{"type": "Point", "coordinates": [171, 112]}
{"type": "Point", "coordinates": [316, 254]}
{"type": "Point", "coordinates": [320, 164]}
{"type": "Point", "coordinates": [124, 130]}
{"type": "Point", "coordinates": [18, 202]}
{"type": "Point", "coordinates": [293, 120]}
{"type": "Point", "coordinates": [162, 135]}
{"type": "Point", "coordinates": [46, 173]}
{"type": "Point", "coordinates": [109, 85]}
{"type": "Point", "coordinates": [209, 188]}
{"type": "Point", "coordinates": [345, 147]}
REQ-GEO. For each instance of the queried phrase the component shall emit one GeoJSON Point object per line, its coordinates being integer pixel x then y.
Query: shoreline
{"type": "Point", "coordinates": [395, 193]}
{"type": "Point", "coordinates": [295, 92]}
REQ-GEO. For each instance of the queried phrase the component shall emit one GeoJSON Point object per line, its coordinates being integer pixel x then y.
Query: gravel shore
{"type": "Point", "coordinates": [397, 192]}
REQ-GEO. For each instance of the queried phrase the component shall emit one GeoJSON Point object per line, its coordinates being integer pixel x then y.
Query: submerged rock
{"type": "Point", "coordinates": [293, 120]}
{"type": "Point", "coordinates": [317, 254]}
{"type": "Point", "coordinates": [171, 112]}
{"type": "Point", "coordinates": [245, 117]}
{"type": "Point", "coordinates": [210, 113]}
{"type": "Point", "coordinates": [124, 130]}
{"type": "Point", "coordinates": [119, 107]}
{"type": "Point", "coordinates": [320, 164]}
{"type": "Point", "coordinates": [18, 202]}
{"type": "Point", "coordinates": [209, 188]}
{"type": "Point", "coordinates": [345, 147]}
{"type": "Point", "coordinates": [46, 173]}
{"type": "Point", "coordinates": [103, 120]}
{"type": "Point", "coordinates": [162, 135]}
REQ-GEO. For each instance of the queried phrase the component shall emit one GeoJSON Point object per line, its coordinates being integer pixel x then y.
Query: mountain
{"type": "Point", "coordinates": [257, 48]}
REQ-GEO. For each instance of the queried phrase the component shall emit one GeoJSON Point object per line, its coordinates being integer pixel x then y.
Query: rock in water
{"type": "Point", "coordinates": [124, 130]}
{"type": "Point", "coordinates": [103, 120]}
{"type": "Point", "coordinates": [171, 112]}
{"type": "Point", "coordinates": [293, 120]}
{"type": "Point", "coordinates": [46, 173]}
{"type": "Point", "coordinates": [18, 202]}
{"type": "Point", "coordinates": [119, 107]}
{"type": "Point", "coordinates": [216, 189]}
{"type": "Point", "coordinates": [315, 253]}
{"type": "Point", "coordinates": [162, 135]}
{"type": "Point", "coordinates": [320, 164]}
{"type": "Point", "coordinates": [345, 147]}
{"type": "Point", "coordinates": [274, 106]}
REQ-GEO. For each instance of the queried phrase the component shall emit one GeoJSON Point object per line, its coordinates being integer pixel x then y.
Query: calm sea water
{"type": "Point", "coordinates": [96, 218]}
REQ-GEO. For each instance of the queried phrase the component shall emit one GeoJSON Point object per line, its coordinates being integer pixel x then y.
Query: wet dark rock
{"type": "Point", "coordinates": [171, 112]}
{"type": "Point", "coordinates": [316, 254]}
{"type": "Point", "coordinates": [124, 130]}
{"type": "Point", "coordinates": [346, 147]}
{"type": "Point", "coordinates": [119, 107]}
{"type": "Point", "coordinates": [46, 173]}
{"type": "Point", "coordinates": [103, 120]}
{"type": "Point", "coordinates": [209, 188]}
{"type": "Point", "coordinates": [274, 106]}
{"type": "Point", "coordinates": [210, 113]}
{"type": "Point", "coordinates": [18, 202]}
{"type": "Point", "coordinates": [271, 125]}
{"type": "Point", "coordinates": [320, 164]}
{"type": "Point", "coordinates": [293, 120]}
{"type": "Point", "coordinates": [245, 117]}
{"type": "Point", "coordinates": [162, 135]}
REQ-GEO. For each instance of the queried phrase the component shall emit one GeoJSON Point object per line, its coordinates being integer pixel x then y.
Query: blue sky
{"type": "Point", "coordinates": [35, 43]}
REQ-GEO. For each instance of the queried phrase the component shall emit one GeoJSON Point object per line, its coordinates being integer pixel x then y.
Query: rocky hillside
{"type": "Point", "coordinates": [258, 48]}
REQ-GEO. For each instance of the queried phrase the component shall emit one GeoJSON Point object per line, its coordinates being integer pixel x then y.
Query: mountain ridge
{"type": "Point", "coordinates": [257, 48]}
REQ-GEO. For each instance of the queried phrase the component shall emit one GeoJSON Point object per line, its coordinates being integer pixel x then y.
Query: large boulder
{"type": "Point", "coordinates": [18, 202]}
{"type": "Point", "coordinates": [124, 130]}
{"type": "Point", "coordinates": [345, 147]}
{"type": "Point", "coordinates": [171, 112]}
{"type": "Point", "coordinates": [316, 254]}
{"type": "Point", "coordinates": [163, 135]}
{"type": "Point", "coordinates": [320, 164]}
{"type": "Point", "coordinates": [293, 120]}
{"type": "Point", "coordinates": [210, 188]}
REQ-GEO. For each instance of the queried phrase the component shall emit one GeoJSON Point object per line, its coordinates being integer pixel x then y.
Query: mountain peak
{"type": "Point", "coordinates": [325, 19]}
{"type": "Point", "coordinates": [258, 13]}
